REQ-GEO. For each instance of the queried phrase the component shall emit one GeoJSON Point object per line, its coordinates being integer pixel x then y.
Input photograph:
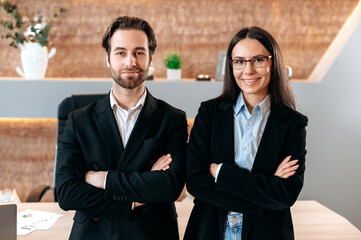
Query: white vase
{"type": "Point", "coordinates": [174, 74]}
{"type": "Point", "coordinates": [34, 59]}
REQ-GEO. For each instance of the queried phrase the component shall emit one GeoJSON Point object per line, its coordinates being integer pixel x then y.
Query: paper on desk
{"type": "Point", "coordinates": [31, 220]}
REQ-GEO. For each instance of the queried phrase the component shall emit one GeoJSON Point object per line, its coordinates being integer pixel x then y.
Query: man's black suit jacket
{"type": "Point", "coordinates": [91, 141]}
{"type": "Point", "coordinates": [264, 198]}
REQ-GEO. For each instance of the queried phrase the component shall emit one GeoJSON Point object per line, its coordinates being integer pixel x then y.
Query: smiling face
{"type": "Point", "coordinates": [129, 58]}
{"type": "Point", "coordinates": [252, 81]}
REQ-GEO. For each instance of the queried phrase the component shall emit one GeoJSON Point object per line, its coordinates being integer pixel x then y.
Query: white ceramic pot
{"type": "Point", "coordinates": [174, 74]}
{"type": "Point", "coordinates": [34, 59]}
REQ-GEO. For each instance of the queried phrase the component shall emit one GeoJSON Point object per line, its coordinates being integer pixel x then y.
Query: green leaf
{"type": "Point", "coordinates": [44, 43]}
{"type": "Point", "coordinates": [13, 44]}
{"type": "Point", "coordinates": [10, 26]}
{"type": "Point", "coordinates": [20, 40]}
{"type": "Point", "coordinates": [40, 19]}
{"type": "Point", "coordinates": [46, 29]}
{"type": "Point", "coordinates": [173, 61]}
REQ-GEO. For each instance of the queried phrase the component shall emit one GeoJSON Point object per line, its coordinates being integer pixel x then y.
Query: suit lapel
{"type": "Point", "coordinates": [106, 123]}
{"type": "Point", "coordinates": [147, 118]}
{"type": "Point", "coordinates": [271, 142]}
{"type": "Point", "coordinates": [223, 133]}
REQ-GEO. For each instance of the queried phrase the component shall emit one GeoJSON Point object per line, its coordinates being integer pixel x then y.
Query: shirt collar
{"type": "Point", "coordinates": [139, 105]}
{"type": "Point", "coordinates": [240, 104]}
{"type": "Point", "coordinates": [264, 106]}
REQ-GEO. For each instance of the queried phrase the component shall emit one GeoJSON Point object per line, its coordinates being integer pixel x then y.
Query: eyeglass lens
{"type": "Point", "coordinates": [240, 64]}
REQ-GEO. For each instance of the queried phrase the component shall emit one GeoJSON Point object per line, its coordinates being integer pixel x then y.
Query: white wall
{"type": "Point", "coordinates": [333, 173]}
{"type": "Point", "coordinates": [40, 99]}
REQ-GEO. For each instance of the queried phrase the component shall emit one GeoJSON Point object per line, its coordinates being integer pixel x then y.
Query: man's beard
{"type": "Point", "coordinates": [129, 82]}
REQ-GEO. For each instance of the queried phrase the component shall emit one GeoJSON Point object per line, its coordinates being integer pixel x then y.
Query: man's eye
{"type": "Point", "coordinates": [140, 53]}
{"type": "Point", "coordinates": [119, 53]}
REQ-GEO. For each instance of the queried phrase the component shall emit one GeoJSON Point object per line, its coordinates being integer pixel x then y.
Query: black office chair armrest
{"type": "Point", "coordinates": [37, 193]}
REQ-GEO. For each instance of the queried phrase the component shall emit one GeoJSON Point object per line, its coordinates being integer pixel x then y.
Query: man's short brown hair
{"type": "Point", "coordinates": [127, 23]}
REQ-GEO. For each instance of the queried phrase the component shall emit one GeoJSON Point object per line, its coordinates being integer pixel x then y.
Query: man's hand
{"type": "Point", "coordinates": [213, 169]}
{"type": "Point", "coordinates": [162, 163]}
{"type": "Point", "coordinates": [97, 179]}
{"type": "Point", "coordinates": [287, 168]}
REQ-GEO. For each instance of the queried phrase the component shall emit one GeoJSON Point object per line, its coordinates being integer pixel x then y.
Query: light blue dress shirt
{"type": "Point", "coordinates": [248, 131]}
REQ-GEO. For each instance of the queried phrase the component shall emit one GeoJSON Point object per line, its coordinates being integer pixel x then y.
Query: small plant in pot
{"type": "Point", "coordinates": [173, 63]}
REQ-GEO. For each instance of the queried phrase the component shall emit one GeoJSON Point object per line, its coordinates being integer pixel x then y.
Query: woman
{"type": "Point", "coordinates": [246, 153]}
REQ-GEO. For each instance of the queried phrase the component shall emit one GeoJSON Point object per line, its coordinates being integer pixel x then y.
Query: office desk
{"type": "Point", "coordinates": [311, 221]}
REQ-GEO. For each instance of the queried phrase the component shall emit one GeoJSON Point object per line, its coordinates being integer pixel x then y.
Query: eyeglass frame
{"type": "Point", "coordinates": [249, 60]}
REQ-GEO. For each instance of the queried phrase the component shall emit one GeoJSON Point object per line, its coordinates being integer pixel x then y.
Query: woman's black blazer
{"type": "Point", "coordinates": [263, 198]}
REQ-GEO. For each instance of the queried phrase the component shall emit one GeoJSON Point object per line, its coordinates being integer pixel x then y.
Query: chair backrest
{"type": "Point", "coordinates": [68, 105]}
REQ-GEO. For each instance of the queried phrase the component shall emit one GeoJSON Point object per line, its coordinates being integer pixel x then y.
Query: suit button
{"type": "Point", "coordinates": [115, 197]}
{"type": "Point", "coordinates": [95, 166]}
{"type": "Point", "coordinates": [118, 198]}
{"type": "Point", "coordinates": [125, 198]}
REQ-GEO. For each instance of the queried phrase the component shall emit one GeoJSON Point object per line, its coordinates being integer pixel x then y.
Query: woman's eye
{"type": "Point", "coordinates": [258, 60]}
{"type": "Point", "coordinates": [238, 61]}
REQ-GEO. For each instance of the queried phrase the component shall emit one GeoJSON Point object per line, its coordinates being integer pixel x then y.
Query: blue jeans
{"type": "Point", "coordinates": [233, 226]}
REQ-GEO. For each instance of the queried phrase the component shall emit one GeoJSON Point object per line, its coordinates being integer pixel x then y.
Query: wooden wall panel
{"type": "Point", "coordinates": [197, 29]}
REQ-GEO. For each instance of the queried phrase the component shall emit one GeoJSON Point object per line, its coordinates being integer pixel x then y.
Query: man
{"type": "Point", "coordinates": [122, 159]}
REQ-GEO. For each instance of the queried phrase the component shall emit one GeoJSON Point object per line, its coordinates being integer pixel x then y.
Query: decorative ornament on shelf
{"type": "Point", "coordinates": [289, 71]}
{"type": "Point", "coordinates": [31, 36]}
{"type": "Point", "coordinates": [173, 63]}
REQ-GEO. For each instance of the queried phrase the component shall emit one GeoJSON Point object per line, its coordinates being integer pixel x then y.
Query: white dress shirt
{"type": "Point", "coordinates": [126, 119]}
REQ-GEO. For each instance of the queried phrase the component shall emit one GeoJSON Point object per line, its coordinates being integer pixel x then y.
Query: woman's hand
{"type": "Point", "coordinates": [213, 169]}
{"type": "Point", "coordinates": [287, 168]}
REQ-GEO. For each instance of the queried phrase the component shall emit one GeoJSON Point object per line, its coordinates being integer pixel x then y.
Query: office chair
{"type": "Point", "coordinates": [68, 105]}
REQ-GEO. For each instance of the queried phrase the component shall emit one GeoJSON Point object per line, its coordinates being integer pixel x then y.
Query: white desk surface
{"type": "Point", "coordinates": [311, 221]}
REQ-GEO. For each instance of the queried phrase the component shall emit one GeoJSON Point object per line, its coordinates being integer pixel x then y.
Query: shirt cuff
{"type": "Point", "coordinates": [105, 181]}
{"type": "Point", "coordinates": [218, 169]}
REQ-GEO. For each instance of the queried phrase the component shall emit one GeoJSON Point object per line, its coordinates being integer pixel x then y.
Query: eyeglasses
{"type": "Point", "coordinates": [258, 62]}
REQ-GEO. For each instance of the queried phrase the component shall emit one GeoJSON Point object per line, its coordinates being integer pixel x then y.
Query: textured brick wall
{"type": "Point", "coordinates": [27, 153]}
{"type": "Point", "coordinates": [197, 29]}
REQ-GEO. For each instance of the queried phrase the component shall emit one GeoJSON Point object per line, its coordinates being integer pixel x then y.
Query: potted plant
{"type": "Point", "coordinates": [173, 63]}
{"type": "Point", "coordinates": [31, 36]}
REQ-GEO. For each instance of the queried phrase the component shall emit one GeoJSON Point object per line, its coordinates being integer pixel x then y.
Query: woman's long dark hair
{"type": "Point", "coordinates": [279, 87]}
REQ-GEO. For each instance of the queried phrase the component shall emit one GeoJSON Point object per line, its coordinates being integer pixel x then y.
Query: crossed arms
{"type": "Point", "coordinates": [81, 188]}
